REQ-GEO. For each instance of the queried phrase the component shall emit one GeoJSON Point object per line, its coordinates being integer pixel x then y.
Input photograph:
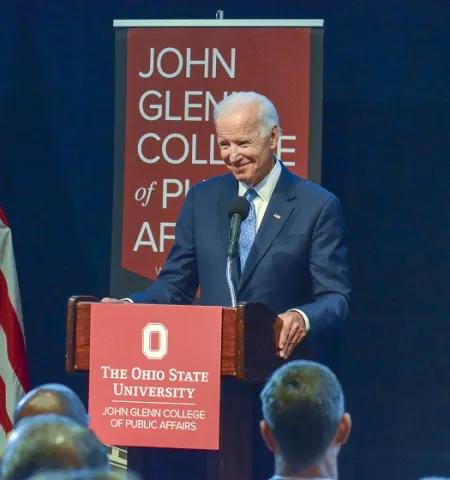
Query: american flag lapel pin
{"type": "Point", "coordinates": [275, 215]}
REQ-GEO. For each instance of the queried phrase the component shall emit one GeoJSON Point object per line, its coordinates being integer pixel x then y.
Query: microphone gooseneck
{"type": "Point", "coordinates": [238, 210]}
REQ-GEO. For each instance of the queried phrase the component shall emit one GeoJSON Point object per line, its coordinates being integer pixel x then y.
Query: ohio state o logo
{"type": "Point", "coordinates": [159, 330]}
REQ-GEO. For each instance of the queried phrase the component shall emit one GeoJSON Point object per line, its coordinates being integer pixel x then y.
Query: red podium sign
{"type": "Point", "coordinates": [155, 375]}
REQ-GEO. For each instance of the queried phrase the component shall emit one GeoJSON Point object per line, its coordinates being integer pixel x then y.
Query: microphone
{"type": "Point", "coordinates": [238, 210]}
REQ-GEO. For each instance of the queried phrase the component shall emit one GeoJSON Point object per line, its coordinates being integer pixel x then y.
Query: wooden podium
{"type": "Point", "coordinates": [249, 338]}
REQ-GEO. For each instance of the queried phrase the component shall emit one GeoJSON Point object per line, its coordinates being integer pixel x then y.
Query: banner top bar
{"type": "Point", "coordinates": [217, 23]}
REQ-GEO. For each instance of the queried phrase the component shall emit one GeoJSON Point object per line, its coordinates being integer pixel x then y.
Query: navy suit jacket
{"type": "Point", "coordinates": [298, 259]}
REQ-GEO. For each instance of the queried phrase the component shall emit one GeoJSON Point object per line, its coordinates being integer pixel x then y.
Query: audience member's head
{"type": "Point", "coordinates": [115, 474]}
{"type": "Point", "coordinates": [52, 398]}
{"type": "Point", "coordinates": [304, 421]}
{"type": "Point", "coordinates": [51, 442]}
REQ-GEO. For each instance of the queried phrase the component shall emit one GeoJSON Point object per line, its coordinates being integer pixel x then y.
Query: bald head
{"type": "Point", "coordinates": [52, 398]}
{"type": "Point", "coordinates": [51, 442]}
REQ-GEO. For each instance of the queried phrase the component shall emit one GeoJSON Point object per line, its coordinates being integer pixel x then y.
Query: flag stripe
{"type": "Point", "coordinates": [3, 217]}
{"type": "Point", "coordinates": [8, 267]}
{"type": "Point", "coordinates": [13, 388]}
{"type": "Point", "coordinates": [2, 433]}
{"type": "Point", "coordinates": [12, 334]}
{"type": "Point", "coordinates": [5, 416]}
{"type": "Point", "coordinates": [13, 363]}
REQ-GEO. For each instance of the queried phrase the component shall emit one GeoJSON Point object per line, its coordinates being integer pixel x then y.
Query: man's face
{"type": "Point", "coordinates": [246, 151]}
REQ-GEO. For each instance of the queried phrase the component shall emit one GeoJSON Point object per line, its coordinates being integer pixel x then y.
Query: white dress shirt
{"type": "Point", "coordinates": [265, 189]}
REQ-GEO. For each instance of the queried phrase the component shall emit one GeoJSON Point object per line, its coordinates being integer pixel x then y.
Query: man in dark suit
{"type": "Point", "coordinates": [292, 251]}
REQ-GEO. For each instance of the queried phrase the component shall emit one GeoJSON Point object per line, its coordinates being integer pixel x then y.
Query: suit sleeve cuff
{"type": "Point", "coordinates": [305, 318]}
{"type": "Point", "coordinates": [126, 300]}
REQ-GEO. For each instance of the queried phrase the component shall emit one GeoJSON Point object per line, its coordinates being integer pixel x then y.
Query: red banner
{"type": "Point", "coordinates": [155, 375]}
{"type": "Point", "coordinates": [174, 78]}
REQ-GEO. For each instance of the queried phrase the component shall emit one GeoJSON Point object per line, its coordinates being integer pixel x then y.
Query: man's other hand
{"type": "Point", "coordinates": [292, 332]}
{"type": "Point", "coordinates": [113, 300]}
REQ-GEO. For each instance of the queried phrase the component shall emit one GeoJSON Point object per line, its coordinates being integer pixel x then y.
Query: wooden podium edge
{"type": "Point", "coordinates": [240, 342]}
{"type": "Point", "coordinates": [72, 306]}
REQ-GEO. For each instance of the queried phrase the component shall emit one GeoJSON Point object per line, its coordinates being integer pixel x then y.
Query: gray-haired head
{"type": "Point", "coordinates": [435, 478]}
{"type": "Point", "coordinates": [115, 474]}
{"type": "Point", "coordinates": [303, 405]}
{"type": "Point", "coordinates": [52, 398]}
{"type": "Point", "coordinates": [268, 116]}
{"type": "Point", "coordinates": [51, 442]}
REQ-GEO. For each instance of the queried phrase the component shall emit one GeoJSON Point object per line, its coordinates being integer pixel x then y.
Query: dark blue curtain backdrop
{"type": "Point", "coordinates": [385, 154]}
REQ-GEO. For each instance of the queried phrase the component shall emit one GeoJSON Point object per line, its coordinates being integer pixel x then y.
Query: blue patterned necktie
{"type": "Point", "coordinates": [248, 229]}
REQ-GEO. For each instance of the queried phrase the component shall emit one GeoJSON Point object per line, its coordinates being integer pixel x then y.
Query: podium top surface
{"type": "Point", "coordinates": [218, 23]}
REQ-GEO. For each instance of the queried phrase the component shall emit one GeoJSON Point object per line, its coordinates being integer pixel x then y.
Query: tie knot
{"type": "Point", "coordinates": [250, 194]}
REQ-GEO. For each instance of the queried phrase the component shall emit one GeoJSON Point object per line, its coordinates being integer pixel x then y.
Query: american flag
{"type": "Point", "coordinates": [13, 363]}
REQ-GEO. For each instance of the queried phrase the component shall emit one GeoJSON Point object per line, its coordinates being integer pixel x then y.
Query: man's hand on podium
{"type": "Point", "coordinates": [292, 332]}
{"type": "Point", "coordinates": [114, 300]}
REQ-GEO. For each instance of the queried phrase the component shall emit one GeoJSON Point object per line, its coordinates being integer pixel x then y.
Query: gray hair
{"type": "Point", "coordinates": [268, 116]}
{"type": "Point", "coordinates": [115, 474]}
{"type": "Point", "coordinates": [303, 404]}
{"type": "Point", "coordinates": [51, 442]}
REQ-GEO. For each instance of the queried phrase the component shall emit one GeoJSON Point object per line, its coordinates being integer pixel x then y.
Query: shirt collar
{"type": "Point", "coordinates": [267, 185]}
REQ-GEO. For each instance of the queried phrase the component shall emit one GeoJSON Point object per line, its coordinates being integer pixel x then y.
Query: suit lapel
{"type": "Point", "coordinates": [278, 211]}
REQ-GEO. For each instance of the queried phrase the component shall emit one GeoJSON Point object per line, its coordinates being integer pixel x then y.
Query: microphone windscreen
{"type": "Point", "coordinates": [239, 205]}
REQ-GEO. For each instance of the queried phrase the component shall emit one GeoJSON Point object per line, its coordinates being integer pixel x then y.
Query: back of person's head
{"type": "Point", "coordinates": [51, 442]}
{"type": "Point", "coordinates": [303, 414]}
{"type": "Point", "coordinates": [113, 474]}
{"type": "Point", "coordinates": [52, 398]}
